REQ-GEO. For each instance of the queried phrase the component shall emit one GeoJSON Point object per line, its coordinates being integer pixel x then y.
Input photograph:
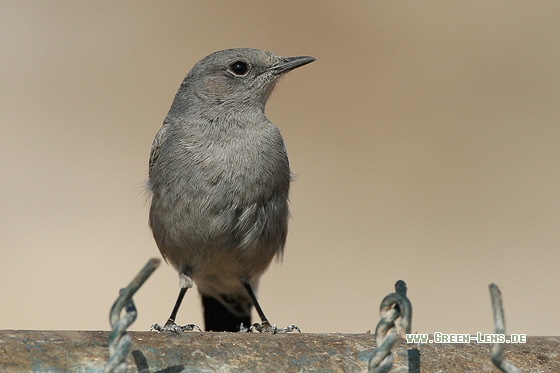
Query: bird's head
{"type": "Point", "coordinates": [235, 79]}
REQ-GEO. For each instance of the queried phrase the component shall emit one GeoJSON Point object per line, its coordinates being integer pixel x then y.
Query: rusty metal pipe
{"type": "Point", "coordinates": [87, 351]}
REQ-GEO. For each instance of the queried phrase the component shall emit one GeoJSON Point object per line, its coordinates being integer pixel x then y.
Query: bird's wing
{"type": "Point", "coordinates": [156, 145]}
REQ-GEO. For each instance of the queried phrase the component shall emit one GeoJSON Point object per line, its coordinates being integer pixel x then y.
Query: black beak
{"type": "Point", "coordinates": [290, 63]}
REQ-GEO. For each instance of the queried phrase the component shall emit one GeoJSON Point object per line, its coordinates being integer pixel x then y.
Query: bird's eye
{"type": "Point", "coordinates": [239, 68]}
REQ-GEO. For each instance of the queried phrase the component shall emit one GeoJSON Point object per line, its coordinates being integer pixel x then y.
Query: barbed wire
{"type": "Point", "coordinates": [394, 306]}
{"type": "Point", "coordinates": [500, 328]}
{"type": "Point", "coordinates": [395, 312]}
{"type": "Point", "coordinates": [119, 340]}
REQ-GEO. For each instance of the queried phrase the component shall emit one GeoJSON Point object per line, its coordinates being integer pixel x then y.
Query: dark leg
{"type": "Point", "coordinates": [265, 325]}
{"type": "Point", "coordinates": [173, 316]}
{"type": "Point", "coordinates": [170, 325]}
{"type": "Point", "coordinates": [249, 289]}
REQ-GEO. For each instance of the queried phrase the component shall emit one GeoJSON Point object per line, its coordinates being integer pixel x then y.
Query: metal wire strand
{"type": "Point", "coordinates": [119, 340]}
{"type": "Point", "coordinates": [394, 306]}
{"type": "Point", "coordinates": [500, 328]}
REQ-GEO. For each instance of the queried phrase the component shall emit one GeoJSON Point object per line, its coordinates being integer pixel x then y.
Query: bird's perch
{"type": "Point", "coordinates": [87, 351]}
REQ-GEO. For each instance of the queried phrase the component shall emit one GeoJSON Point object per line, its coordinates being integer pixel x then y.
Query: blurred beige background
{"type": "Point", "coordinates": [426, 140]}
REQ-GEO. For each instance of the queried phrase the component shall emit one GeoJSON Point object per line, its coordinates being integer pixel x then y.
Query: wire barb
{"type": "Point", "coordinates": [119, 340]}
{"type": "Point", "coordinates": [500, 328]}
{"type": "Point", "coordinates": [394, 306]}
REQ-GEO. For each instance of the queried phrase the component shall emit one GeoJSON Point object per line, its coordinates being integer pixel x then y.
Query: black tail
{"type": "Point", "coordinates": [217, 318]}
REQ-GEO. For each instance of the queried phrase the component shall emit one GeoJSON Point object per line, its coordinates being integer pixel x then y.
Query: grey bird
{"type": "Point", "coordinates": [219, 179]}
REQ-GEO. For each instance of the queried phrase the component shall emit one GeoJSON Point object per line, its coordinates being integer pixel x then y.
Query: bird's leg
{"type": "Point", "coordinates": [265, 326]}
{"type": "Point", "coordinates": [186, 283]}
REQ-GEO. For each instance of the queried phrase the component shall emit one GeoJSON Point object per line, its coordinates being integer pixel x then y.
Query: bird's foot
{"type": "Point", "coordinates": [170, 326]}
{"type": "Point", "coordinates": [266, 327]}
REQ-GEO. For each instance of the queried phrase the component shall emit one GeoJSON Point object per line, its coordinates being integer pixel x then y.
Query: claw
{"type": "Point", "coordinates": [289, 329]}
{"type": "Point", "coordinates": [268, 328]}
{"type": "Point", "coordinates": [190, 328]}
{"type": "Point", "coordinates": [174, 328]}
